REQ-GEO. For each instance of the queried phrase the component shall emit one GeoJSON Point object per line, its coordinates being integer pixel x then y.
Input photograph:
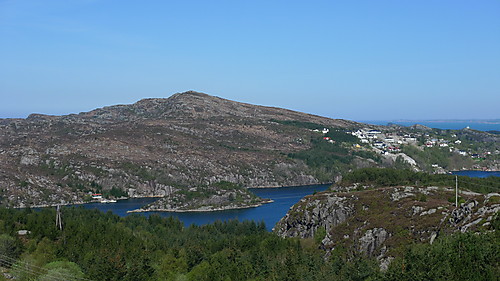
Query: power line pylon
{"type": "Point", "coordinates": [59, 217]}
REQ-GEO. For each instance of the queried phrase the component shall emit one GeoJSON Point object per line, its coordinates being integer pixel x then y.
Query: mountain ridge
{"type": "Point", "coordinates": [188, 105]}
{"type": "Point", "coordinates": [154, 147]}
{"type": "Point", "coordinates": [193, 141]}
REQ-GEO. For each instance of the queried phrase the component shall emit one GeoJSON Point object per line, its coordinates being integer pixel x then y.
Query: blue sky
{"type": "Point", "coordinates": [359, 60]}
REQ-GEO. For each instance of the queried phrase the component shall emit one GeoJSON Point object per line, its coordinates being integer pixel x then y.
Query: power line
{"type": "Point", "coordinates": [36, 270]}
{"type": "Point", "coordinates": [28, 269]}
{"type": "Point", "coordinates": [24, 266]}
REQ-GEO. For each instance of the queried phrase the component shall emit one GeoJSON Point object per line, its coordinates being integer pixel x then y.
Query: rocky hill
{"type": "Point", "coordinates": [154, 147]}
{"type": "Point", "coordinates": [191, 141]}
{"type": "Point", "coordinates": [380, 222]}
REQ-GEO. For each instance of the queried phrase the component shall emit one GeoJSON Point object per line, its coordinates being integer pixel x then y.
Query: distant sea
{"type": "Point", "coordinates": [480, 125]}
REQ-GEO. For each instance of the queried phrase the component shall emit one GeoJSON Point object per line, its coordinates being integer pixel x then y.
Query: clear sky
{"type": "Point", "coordinates": [359, 60]}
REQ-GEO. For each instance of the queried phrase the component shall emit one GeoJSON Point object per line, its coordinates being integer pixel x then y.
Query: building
{"type": "Point", "coordinates": [97, 196]}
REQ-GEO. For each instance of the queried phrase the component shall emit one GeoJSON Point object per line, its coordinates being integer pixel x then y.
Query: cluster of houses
{"type": "Point", "coordinates": [440, 142]}
{"type": "Point", "coordinates": [433, 142]}
{"type": "Point", "coordinates": [366, 135]}
{"type": "Point", "coordinates": [391, 142]}
{"type": "Point", "coordinates": [376, 136]}
{"type": "Point", "coordinates": [387, 143]}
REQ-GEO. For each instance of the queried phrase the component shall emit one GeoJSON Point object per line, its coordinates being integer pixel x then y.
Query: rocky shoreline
{"type": "Point", "coordinates": [204, 209]}
{"type": "Point", "coordinates": [296, 185]}
{"type": "Point", "coordinates": [82, 202]}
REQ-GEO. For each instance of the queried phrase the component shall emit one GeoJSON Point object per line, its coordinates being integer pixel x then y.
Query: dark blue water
{"type": "Point", "coordinates": [451, 125]}
{"type": "Point", "coordinates": [284, 198]}
{"type": "Point", "coordinates": [477, 174]}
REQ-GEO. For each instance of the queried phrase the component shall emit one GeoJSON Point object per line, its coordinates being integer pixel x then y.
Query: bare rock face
{"type": "Point", "coordinates": [462, 213]}
{"type": "Point", "coordinates": [398, 194]}
{"type": "Point", "coordinates": [376, 221]}
{"type": "Point", "coordinates": [372, 240]}
{"type": "Point", "coordinates": [311, 213]}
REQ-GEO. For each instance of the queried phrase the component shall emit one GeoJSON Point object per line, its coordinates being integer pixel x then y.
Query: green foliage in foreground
{"type": "Point", "coordinates": [393, 177]}
{"type": "Point", "coordinates": [101, 246]}
{"type": "Point", "coordinates": [107, 247]}
{"type": "Point", "coordinates": [460, 257]}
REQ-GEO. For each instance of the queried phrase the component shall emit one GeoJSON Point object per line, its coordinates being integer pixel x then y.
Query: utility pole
{"type": "Point", "coordinates": [456, 191]}
{"type": "Point", "coordinates": [58, 217]}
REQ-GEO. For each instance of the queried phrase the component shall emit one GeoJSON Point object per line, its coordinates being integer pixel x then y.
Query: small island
{"type": "Point", "coordinates": [219, 196]}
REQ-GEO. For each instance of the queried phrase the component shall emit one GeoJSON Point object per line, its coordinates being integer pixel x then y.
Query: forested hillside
{"type": "Point", "coordinates": [98, 246]}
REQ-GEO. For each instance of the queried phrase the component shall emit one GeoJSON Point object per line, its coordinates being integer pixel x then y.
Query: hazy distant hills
{"type": "Point", "coordinates": [486, 125]}
{"type": "Point", "coordinates": [480, 121]}
{"type": "Point", "coordinates": [152, 148]}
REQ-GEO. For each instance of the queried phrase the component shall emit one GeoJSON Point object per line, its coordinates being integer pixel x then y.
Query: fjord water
{"type": "Point", "coordinates": [477, 174]}
{"type": "Point", "coordinates": [284, 198]}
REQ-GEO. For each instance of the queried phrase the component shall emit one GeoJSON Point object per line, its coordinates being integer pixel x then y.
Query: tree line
{"type": "Point", "coordinates": [379, 177]}
{"type": "Point", "coordinates": [103, 246]}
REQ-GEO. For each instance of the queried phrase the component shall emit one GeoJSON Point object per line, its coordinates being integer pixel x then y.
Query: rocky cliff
{"type": "Point", "coordinates": [379, 222]}
{"type": "Point", "coordinates": [154, 147]}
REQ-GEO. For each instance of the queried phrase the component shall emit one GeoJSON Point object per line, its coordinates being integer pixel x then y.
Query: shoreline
{"type": "Point", "coordinates": [265, 201]}
{"type": "Point", "coordinates": [83, 203]}
{"type": "Point", "coordinates": [204, 210]}
{"type": "Point", "coordinates": [291, 186]}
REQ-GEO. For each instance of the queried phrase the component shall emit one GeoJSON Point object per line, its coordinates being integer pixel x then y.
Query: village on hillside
{"type": "Point", "coordinates": [390, 143]}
